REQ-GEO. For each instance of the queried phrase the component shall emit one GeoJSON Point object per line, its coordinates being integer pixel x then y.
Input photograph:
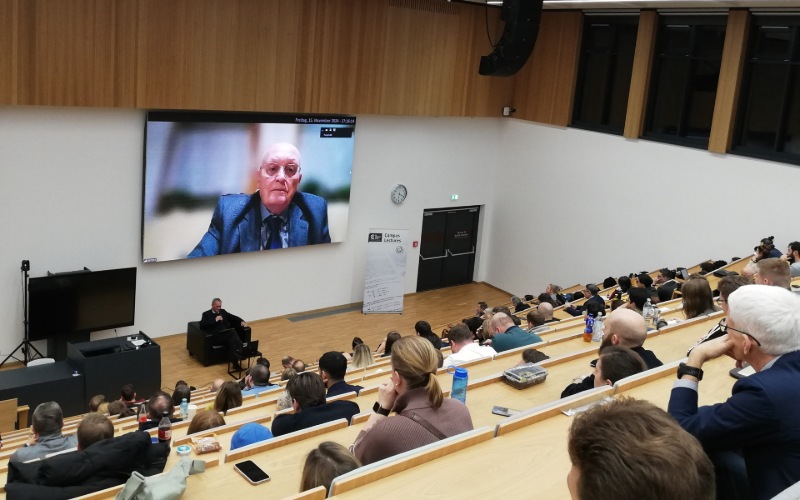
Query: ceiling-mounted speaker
{"type": "Point", "coordinates": [519, 36]}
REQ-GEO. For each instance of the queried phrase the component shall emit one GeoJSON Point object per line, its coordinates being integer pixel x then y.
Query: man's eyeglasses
{"type": "Point", "coordinates": [272, 169]}
{"type": "Point", "coordinates": [723, 327]}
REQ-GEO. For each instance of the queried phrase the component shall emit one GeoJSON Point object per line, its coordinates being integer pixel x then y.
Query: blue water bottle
{"type": "Point", "coordinates": [459, 390]}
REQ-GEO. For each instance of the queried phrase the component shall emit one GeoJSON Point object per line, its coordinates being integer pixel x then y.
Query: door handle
{"type": "Point", "coordinates": [433, 258]}
{"type": "Point", "coordinates": [447, 251]}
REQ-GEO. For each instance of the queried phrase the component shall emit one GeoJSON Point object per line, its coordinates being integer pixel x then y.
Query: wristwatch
{"type": "Point", "coordinates": [684, 369]}
{"type": "Point", "coordinates": [377, 408]}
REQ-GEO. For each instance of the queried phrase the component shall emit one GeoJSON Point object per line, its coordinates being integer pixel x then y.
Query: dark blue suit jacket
{"type": "Point", "coordinates": [236, 224]}
{"type": "Point", "coordinates": [761, 419]}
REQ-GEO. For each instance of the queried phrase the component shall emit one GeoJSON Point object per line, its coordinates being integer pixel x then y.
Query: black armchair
{"type": "Point", "coordinates": [209, 348]}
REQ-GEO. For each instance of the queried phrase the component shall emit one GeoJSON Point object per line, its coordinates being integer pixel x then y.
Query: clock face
{"type": "Point", "coordinates": [399, 193]}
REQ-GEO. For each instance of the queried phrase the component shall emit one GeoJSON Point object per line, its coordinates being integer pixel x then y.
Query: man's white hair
{"type": "Point", "coordinates": [770, 314]}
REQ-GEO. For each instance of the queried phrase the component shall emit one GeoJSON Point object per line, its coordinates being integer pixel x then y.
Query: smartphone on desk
{"type": "Point", "coordinates": [503, 412]}
{"type": "Point", "coordinates": [252, 472]}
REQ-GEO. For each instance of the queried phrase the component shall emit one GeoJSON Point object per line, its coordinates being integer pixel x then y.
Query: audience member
{"type": "Point", "coordinates": [308, 400]}
{"type": "Point", "coordinates": [159, 403]}
{"type": "Point", "coordinates": [616, 304]}
{"type": "Point", "coordinates": [129, 396]}
{"type": "Point", "coordinates": [519, 305]}
{"type": "Point", "coordinates": [249, 434]}
{"type": "Point", "coordinates": [637, 298]}
{"type": "Point", "coordinates": [332, 369]}
{"type": "Point", "coordinates": [507, 312]}
{"type": "Point", "coordinates": [766, 250]}
{"type": "Point", "coordinates": [423, 329]}
{"type": "Point", "coordinates": [181, 392]}
{"type": "Point", "coordinates": [482, 306]}
{"type": "Point", "coordinates": [47, 422]}
{"type": "Point", "coordinates": [362, 356]}
{"type": "Point", "coordinates": [120, 409]}
{"type": "Point", "coordinates": [773, 272]}
{"type": "Point", "coordinates": [216, 384]}
{"type": "Point", "coordinates": [749, 271]}
{"type": "Point", "coordinates": [299, 365]}
{"type": "Point", "coordinates": [646, 282]}
{"type": "Point", "coordinates": [615, 363]}
{"type": "Point", "coordinates": [793, 258]}
{"type": "Point", "coordinates": [413, 392]}
{"type": "Point", "coordinates": [554, 291]}
{"type": "Point", "coordinates": [594, 292]}
{"type": "Point", "coordinates": [464, 349]}
{"type": "Point", "coordinates": [532, 355]}
{"type": "Point", "coordinates": [95, 402]}
{"type": "Point", "coordinates": [629, 450]}
{"type": "Point", "coordinates": [506, 335]}
{"type": "Point", "coordinates": [104, 464]}
{"type": "Point", "coordinates": [697, 298]}
{"type": "Point", "coordinates": [546, 310]}
{"type": "Point", "coordinates": [257, 380]}
{"type": "Point", "coordinates": [725, 287]}
{"type": "Point", "coordinates": [753, 437]}
{"type": "Point", "coordinates": [93, 428]}
{"type": "Point", "coordinates": [287, 362]}
{"type": "Point", "coordinates": [204, 420]}
{"type": "Point", "coordinates": [609, 282]}
{"type": "Point", "coordinates": [326, 462]}
{"type": "Point", "coordinates": [624, 328]}
{"type": "Point", "coordinates": [285, 400]}
{"type": "Point", "coordinates": [536, 322]}
{"type": "Point", "coordinates": [391, 338]}
{"type": "Point", "coordinates": [229, 396]}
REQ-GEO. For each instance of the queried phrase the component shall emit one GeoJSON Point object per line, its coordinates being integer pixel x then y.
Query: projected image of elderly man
{"type": "Point", "coordinates": [277, 215]}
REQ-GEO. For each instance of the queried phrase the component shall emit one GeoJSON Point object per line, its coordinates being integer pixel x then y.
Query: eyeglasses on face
{"type": "Point", "coordinates": [272, 169]}
{"type": "Point", "coordinates": [723, 327]}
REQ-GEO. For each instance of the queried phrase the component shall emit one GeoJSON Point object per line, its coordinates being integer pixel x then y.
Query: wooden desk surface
{"type": "Point", "coordinates": [546, 454]}
{"type": "Point", "coordinates": [284, 465]}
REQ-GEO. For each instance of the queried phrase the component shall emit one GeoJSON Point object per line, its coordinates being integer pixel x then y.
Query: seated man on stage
{"type": "Point", "coordinates": [218, 319]}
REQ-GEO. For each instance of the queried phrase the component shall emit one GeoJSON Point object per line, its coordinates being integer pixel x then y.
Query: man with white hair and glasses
{"type": "Point", "coordinates": [754, 436]}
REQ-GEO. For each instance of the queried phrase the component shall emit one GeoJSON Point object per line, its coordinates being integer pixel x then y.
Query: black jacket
{"type": "Point", "coordinates": [105, 464]}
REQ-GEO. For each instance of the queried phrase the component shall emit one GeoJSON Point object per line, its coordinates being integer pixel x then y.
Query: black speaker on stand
{"type": "Point", "coordinates": [519, 36]}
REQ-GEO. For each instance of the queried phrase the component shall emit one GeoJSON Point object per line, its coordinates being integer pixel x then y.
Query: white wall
{"type": "Point", "coordinates": [72, 195]}
{"type": "Point", "coordinates": [589, 205]}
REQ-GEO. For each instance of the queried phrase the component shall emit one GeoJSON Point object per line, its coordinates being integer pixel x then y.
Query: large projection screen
{"type": "Point", "coordinates": [218, 183]}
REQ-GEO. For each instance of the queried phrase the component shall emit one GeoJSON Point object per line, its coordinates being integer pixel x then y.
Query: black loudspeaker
{"type": "Point", "coordinates": [519, 36]}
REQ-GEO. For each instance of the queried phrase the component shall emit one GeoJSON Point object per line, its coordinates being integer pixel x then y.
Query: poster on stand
{"type": "Point", "coordinates": [385, 274]}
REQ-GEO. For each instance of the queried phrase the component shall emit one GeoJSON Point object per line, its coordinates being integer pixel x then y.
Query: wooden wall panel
{"type": "Point", "coordinates": [209, 54]}
{"type": "Point", "coordinates": [546, 85]}
{"type": "Point", "coordinates": [7, 51]}
{"type": "Point", "coordinates": [419, 70]}
{"type": "Point", "coordinates": [730, 79]}
{"type": "Point", "coordinates": [68, 53]}
{"type": "Point", "coordinates": [343, 54]}
{"type": "Point", "coordinates": [640, 76]}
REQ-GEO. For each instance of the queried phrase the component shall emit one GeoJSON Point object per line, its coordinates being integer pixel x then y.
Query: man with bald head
{"type": "Point", "coordinates": [275, 216]}
{"type": "Point", "coordinates": [625, 328]}
{"type": "Point", "coordinates": [506, 335]}
{"type": "Point", "coordinates": [546, 310]}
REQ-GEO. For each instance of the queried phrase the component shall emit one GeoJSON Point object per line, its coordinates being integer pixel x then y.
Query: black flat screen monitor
{"type": "Point", "coordinates": [81, 302]}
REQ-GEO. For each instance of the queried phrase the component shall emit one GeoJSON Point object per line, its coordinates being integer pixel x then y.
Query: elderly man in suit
{"type": "Point", "coordinates": [754, 436]}
{"type": "Point", "coordinates": [275, 216]}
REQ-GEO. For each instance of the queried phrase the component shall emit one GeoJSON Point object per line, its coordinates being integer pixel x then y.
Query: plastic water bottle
{"type": "Point", "coordinates": [459, 391]}
{"type": "Point", "coordinates": [589, 330]}
{"type": "Point", "coordinates": [184, 409]}
{"type": "Point", "coordinates": [598, 328]}
{"type": "Point", "coordinates": [142, 418]}
{"type": "Point", "coordinates": [165, 428]}
{"type": "Point", "coordinates": [647, 310]}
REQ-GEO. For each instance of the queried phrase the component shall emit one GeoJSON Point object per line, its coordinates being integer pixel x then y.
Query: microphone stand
{"type": "Point", "coordinates": [26, 346]}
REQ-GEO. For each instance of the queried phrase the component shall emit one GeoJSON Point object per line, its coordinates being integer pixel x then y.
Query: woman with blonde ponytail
{"type": "Point", "coordinates": [413, 392]}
